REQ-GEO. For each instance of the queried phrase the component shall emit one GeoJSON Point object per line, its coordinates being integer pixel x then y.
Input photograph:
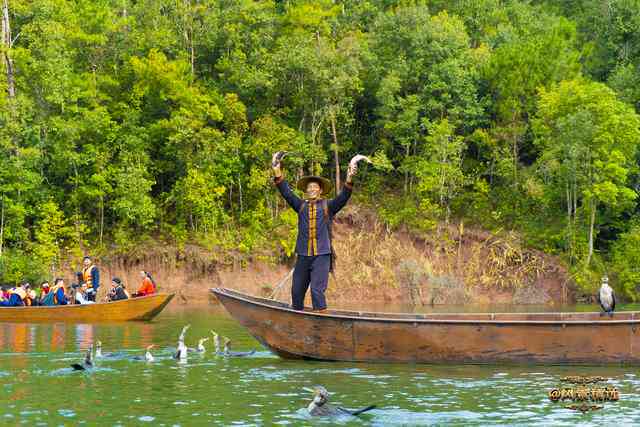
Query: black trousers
{"type": "Point", "coordinates": [310, 271]}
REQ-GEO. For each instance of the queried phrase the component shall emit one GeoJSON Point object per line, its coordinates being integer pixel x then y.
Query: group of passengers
{"type": "Point", "coordinates": [82, 292]}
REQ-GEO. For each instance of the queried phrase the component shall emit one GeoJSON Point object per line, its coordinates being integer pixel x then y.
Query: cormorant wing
{"type": "Point", "coordinates": [78, 367]}
{"type": "Point", "coordinates": [600, 301]}
{"type": "Point", "coordinates": [357, 411]}
{"type": "Point", "coordinates": [240, 353]}
{"type": "Point", "coordinates": [613, 300]}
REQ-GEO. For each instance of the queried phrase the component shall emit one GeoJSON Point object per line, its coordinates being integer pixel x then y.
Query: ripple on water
{"type": "Point", "coordinates": [67, 413]}
{"type": "Point", "coordinates": [146, 418]}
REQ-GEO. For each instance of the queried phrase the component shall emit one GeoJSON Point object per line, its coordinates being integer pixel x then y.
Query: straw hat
{"type": "Point", "coordinates": [325, 184]}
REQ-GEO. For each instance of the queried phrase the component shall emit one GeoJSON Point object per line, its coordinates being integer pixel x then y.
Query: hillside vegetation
{"type": "Point", "coordinates": [127, 123]}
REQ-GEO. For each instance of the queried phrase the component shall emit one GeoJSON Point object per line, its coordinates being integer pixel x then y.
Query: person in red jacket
{"type": "Point", "coordinates": [148, 286]}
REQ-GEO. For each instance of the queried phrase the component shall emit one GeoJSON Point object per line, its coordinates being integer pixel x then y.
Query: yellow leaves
{"type": "Point", "coordinates": [312, 15]}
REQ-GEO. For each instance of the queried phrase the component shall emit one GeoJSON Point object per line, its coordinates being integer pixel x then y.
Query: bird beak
{"type": "Point", "coordinates": [310, 390]}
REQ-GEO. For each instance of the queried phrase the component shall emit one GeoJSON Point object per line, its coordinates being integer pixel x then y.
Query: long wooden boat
{"type": "Point", "coordinates": [140, 308]}
{"type": "Point", "coordinates": [545, 338]}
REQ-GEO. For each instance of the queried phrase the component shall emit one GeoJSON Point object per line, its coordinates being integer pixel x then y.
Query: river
{"type": "Point", "coordinates": [37, 386]}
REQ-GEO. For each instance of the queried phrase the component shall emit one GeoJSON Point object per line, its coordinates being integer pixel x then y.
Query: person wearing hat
{"type": "Point", "coordinates": [313, 245]}
{"type": "Point", "coordinates": [90, 276]}
{"type": "Point", "coordinates": [118, 291]}
{"type": "Point", "coordinates": [80, 294]}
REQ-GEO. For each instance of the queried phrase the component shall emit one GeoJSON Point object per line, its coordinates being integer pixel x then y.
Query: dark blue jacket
{"type": "Point", "coordinates": [13, 301]}
{"type": "Point", "coordinates": [313, 240]}
{"type": "Point", "coordinates": [61, 297]}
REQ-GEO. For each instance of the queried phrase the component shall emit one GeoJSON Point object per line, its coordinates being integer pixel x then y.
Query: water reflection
{"type": "Point", "coordinates": [38, 386]}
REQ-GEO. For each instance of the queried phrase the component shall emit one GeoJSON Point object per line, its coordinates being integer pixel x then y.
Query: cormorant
{"type": "Point", "coordinates": [147, 356]}
{"type": "Point", "coordinates": [606, 298]}
{"type": "Point", "coordinates": [230, 353]}
{"type": "Point", "coordinates": [182, 351]}
{"type": "Point", "coordinates": [216, 341]}
{"type": "Point", "coordinates": [201, 348]}
{"type": "Point", "coordinates": [88, 361]}
{"type": "Point", "coordinates": [320, 405]}
{"type": "Point", "coordinates": [99, 354]}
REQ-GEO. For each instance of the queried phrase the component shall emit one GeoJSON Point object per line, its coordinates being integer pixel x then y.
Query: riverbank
{"type": "Point", "coordinates": [456, 265]}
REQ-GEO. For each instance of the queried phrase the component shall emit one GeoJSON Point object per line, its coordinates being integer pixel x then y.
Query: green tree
{"type": "Point", "coordinates": [588, 140]}
{"type": "Point", "coordinates": [440, 172]}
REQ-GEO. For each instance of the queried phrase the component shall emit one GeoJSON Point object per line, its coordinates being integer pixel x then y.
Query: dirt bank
{"type": "Point", "coordinates": [452, 266]}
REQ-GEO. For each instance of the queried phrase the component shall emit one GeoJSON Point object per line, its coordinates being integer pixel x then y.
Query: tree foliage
{"type": "Point", "coordinates": [128, 120]}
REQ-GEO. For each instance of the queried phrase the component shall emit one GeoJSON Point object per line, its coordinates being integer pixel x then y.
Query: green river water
{"type": "Point", "coordinates": [37, 386]}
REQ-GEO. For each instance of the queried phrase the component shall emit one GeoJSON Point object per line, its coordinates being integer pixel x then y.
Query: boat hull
{"type": "Point", "coordinates": [141, 308]}
{"type": "Point", "coordinates": [543, 338]}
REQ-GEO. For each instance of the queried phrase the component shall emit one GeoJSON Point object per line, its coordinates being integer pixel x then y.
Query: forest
{"type": "Point", "coordinates": [126, 123]}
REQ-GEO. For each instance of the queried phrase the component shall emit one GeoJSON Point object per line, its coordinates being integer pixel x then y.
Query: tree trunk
{"type": "Point", "coordinates": [2, 224]}
{"type": "Point", "coordinates": [406, 172]}
{"type": "Point", "coordinates": [336, 155]}
{"type": "Point", "coordinates": [240, 192]}
{"type": "Point", "coordinates": [591, 227]}
{"type": "Point", "coordinates": [569, 225]}
{"type": "Point", "coordinates": [7, 43]}
{"type": "Point", "coordinates": [101, 218]}
{"type": "Point", "coordinates": [193, 56]}
{"type": "Point", "coordinates": [514, 136]}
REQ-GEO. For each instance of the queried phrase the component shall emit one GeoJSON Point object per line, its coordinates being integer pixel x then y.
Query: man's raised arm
{"type": "Point", "coordinates": [294, 201]}
{"type": "Point", "coordinates": [335, 205]}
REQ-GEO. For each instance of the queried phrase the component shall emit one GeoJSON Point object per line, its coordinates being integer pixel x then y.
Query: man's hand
{"type": "Point", "coordinates": [275, 163]}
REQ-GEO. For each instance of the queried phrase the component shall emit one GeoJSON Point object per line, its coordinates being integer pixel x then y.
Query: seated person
{"type": "Point", "coordinates": [59, 294]}
{"type": "Point", "coordinates": [118, 291]}
{"type": "Point", "coordinates": [148, 286]}
{"type": "Point", "coordinates": [44, 290]}
{"type": "Point", "coordinates": [28, 300]}
{"type": "Point", "coordinates": [32, 297]}
{"type": "Point", "coordinates": [16, 297]}
{"type": "Point", "coordinates": [81, 295]}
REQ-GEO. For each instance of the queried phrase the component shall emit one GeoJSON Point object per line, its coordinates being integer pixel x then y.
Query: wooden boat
{"type": "Point", "coordinates": [546, 338]}
{"type": "Point", "coordinates": [140, 308]}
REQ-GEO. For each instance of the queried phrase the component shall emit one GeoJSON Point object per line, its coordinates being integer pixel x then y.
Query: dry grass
{"type": "Point", "coordinates": [452, 267]}
{"type": "Point", "coordinates": [374, 265]}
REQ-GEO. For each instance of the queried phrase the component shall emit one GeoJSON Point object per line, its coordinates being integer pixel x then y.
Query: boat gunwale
{"type": "Point", "coordinates": [388, 317]}
{"type": "Point", "coordinates": [70, 306]}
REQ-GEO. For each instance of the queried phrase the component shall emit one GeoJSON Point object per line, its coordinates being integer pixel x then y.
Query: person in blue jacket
{"type": "Point", "coordinates": [313, 244]}
{"type": "Point", "coordinates": [59, 292]}
{"type": "Point", "coordinates": [16, 298]}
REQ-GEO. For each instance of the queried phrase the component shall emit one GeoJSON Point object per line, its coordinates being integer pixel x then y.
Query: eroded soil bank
{"type": "Point", "coordinates": [454, 265]}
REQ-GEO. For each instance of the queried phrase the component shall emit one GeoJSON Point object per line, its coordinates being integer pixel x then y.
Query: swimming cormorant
{"type": "Point", "coordinates": [228, 352]}
{"type": "Point", "coordinates": [201, 348]}
{"type": "Point", "coordinates": [216, 341]}
{"type": "Point", "coordinates": [87, 363]}
{"type": "Point", "coordinates": [147, 356]}
{"type": "Point", "coordinates": [182, 351]}
{"type": "Point", "coordinates": [320, 405]}
{"type": "Point", "coordinates": [99, 354]}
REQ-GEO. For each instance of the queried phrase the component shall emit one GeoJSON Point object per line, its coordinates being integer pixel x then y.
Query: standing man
{"type": "Point", "coordinates": [90, 276]}
{"type": "Point", "coordinates": [313, 245]}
